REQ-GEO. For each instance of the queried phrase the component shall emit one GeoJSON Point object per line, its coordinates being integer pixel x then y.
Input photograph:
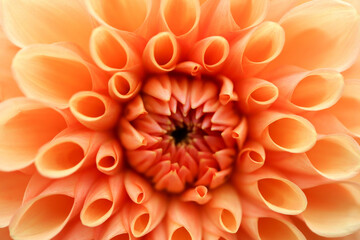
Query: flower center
{"type": "Point", "coordinates": [184, 134]}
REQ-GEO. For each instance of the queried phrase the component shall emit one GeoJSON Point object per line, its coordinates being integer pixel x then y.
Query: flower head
{"type": "Point", "coordinates": [179, 119]}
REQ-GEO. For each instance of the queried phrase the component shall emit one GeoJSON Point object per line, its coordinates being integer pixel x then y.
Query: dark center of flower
{"type": "Point", "coordinates": [180, 134]}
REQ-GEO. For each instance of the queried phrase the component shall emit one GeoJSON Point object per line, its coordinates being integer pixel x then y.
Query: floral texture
{"type": "Point", "coordinates": [180, 119]}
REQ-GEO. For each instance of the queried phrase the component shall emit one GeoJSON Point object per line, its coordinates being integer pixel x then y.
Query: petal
{"type": "Point", "coordinates": [114, 229]}
{"type": "Point", "coordinates": [124, 86]}
{"type": "Point", "coordinates": [251, 157]}
{"type": "Point", "coordinates": [138, 189]}
{"type": "Point", "coordinates": [21, 140]}
{"type": "Point", "coordinates": [199, 194]}
{"type": "Point", "coordinates": [41, 21]}
{"type": "Point", "coordinates": [109, 159]}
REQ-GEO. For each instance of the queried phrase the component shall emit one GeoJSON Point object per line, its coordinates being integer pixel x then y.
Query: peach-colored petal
{"type": "Point", "coordinates": [75, 230]}
{"type": "Point", "coordinates": [256, 94]}
{"type": "Point", "coordinates": [183, 221]}
{"type": "Point", "coordinates": [113, 51]}
{"type": "Point", "coordinates": [224, 209]}
{"type": "Point", "coordinates": [199, 194]}
{"type": "Point", "coordinates": [25, 126]}
{"type": "Point", "coordinates": [162, 85]}
{"type": "Point", "coordinates": [5, 234]}
{"type": "Point", "coordinates": [69, 152]}
{"type": "Point", "coordinates": [240, 15]}
{"type": "Point", "coordinates": [161, 53]}
{"type": "Point", "coordinates": [227, 92]}
{"type": "Point", "coordinates": [8, 86]}
{"type": "Point", "coordinates": [124, 86]}
{"type": "Point", "coordinates": [137, 188]}
{"type": "Point", "coordinates": [130, 138]}
{"type": "Point", "coordinates": [251, 157]}
{"type": "Point", "coordinates": [135, 109]}
{"type": "Point", "coordinates": [267, 188]}
{"type": "Point", "coordinates": [211, 53]}
{"type": "Point", "coordinates": [94, 110]}
{"type": "Point", "coordinates": [159, 233]}
{"type": "Point", "coordinates": [282, 132]}
{"type": "Point", "coordinates": [278, 8]}
{"type": "Point", "coordinates": [41, 21]}
{"type": "Point", "coordinates": [333, 209]}
{"type": "Point", "coordinates": [12, 189]}
{"type": "Point", "coordinates": [53, 73]}
{"type": "Point", "coordinates": [311, 44]}
{"type": "Point", "coordinates": [104, 198]}
{"type": "Point", "coordinates": [213, 232]}
{"type": "Point", "coordinates": [109, 159]}
{"type": "Point", "coordinates": [189, 67]}
{"type": "Point", "coordinates": [309, 90]}
{"type": "Point", "coordinates": [114, 229]}
{"type": "Point", "coordinates": [143, 218]}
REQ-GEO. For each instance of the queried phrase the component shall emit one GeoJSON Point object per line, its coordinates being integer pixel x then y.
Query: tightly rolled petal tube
{"type": "Point", "coordinates": [189, 67]}
{"type": "Point", "coordinates": [333, 209]}
{"type": "Point", "coordinates": [310, 44]}
{"type": "Point", "coordinates": [251, 157]}
{"type": "Point", "coordinates": [94, 111]}
{"type": "Point", "coordinates": [25, 125]}
{"type": "Point", "coordinates": [282, 132]}
{"type": "Point", "coordinates": [227, 92]}
{"type": "Point", "coordinates": [12, 189]}
{"type": "Point", "coordinates": [183, 221]}
{"type": "Point", "coordinates": [199, 194]}
{"type": "Point", "coordinates": [68, 153]}
{"type": "Point", "coordinates": [255, 50]}
{"type": "Point", "coordinates": [211, 232]}
{"type": "Point", "coordinates": [241, 15]}
{"type": "Point", "coordinates": [256, 94]}
{"type": "Point", "coordinates": [268, 189]}
{"type": "Point", "coordinates": [54, 21]}
{"type": "Point", "coordinates": [104, 198]}
{"type": "Point", "coordinates": [161, 53]}
{"type": "Point", "coordinates": [53, 73]}
{"type": "Point", "coordinates": [114, 229]}
{"type": "Point", "coordinates": [137, 188]}
{"type": "Point", "coordinates": [124, 86]}
{"type": "Point", "coordinates": [224, 209]}
{"type": "Point", "coordinates": [181, 18]}
{"type": "Point", "coordinates": [130, 138]}
{"type": "Point", "coordinates": [211, 53]}
{"type": "Point", "coordinates": [109, 159]}
{"type": "Point", "coordinates": [143, 218]}
{"type": "Point", "coordinates": [111, 52]}
{"type": "Point", "coordinates": [310, 90]}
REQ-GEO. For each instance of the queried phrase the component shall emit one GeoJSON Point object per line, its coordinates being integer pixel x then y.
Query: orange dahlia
{"type": "Point", "coordinates": [180, 119]}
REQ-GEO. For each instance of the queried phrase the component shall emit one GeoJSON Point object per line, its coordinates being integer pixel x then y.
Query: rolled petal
{"type": "Point", "coordinates": [333, 209]}
{"type": "Point", "coordinates": [282, 132]}
{"type": "Point", "coordinates": [75, 229]}
{"type": "Point", "coordinates": [310, 90]}
{"type": "Point", "coordinates": [104, 198]}
{"type": "Point", "coordinates": [161, 53]}
{"type": "Point", "coordinates": [124, 86]}
{"type": "Point", "coordinates": [212, 232]}
{"type": "Point", "coordinates": [130, 138]}
{"type": "Point", "coordinates": [137, 188]}
{"type": "Point", "coordinates": [143, 218]}
{"type": "Point", "coordinates": [310, 44]}
{"type": "Point", "coordinates": [112, 52]}
{"type": "Point", "coordinates": [256, 94]}
{"type": "Point", "coordinates": [109, 159]}
{"type": "Point", "coordinates": [189, 67]}
{"type": "Point", "coordinates": [21, 140]}
{"type": "Point", "coordinates": [199, 194]}
{"type": "Point", "coordinates": [227, 92]}
{"type": "Point", "coordinates": [251, 157]}
{"type": "Point", "coordinates": [114, 229]}
{"type": "Point", "coordinates": [53, 73]}
{"type": "Point", "coordinates": [54, 21]}
{"type": "Point", "coordinates": [135, 109]}
{"type": "Point", "coordinates": [94, 111]}
{"type": "Point", "coordinates": [241, 15]}
{"type": "Point", "coordinates": [224, 209]}
{"type": "Point", "coordinates": [68, 153]}
{"type": "Point", "coordinates": [183, 221]}
{"type": "Point", "coordinates": [12, 189]}
{"type": "Point", "coordinates": [251, 53]}
{"type": "Point", "coordinates": [211, 53]}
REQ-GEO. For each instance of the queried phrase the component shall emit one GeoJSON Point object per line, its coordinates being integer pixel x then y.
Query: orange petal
{"type": "Point", "coordinates": [251, 157]}
{"type": "Point", "coordinates": [183, 221]}
{"type": "Point", "coordinates": [94, 111]}
{"type": "Point", "coordinates": [333, 209]}
{"type": "Point", "coordinates": [189, 67]}
{"type": "Point", "coordinates": [54, 21]}
{"type": "Point", "coordinates": [212, 232]}
{"type": "Point", "coordinates": [53, 73]}
{"type": "Point", "coordinates": [5, 234]}
{"type": "Point", "coordinates": [75, 230]}
{"type": "Point", "coordinates": [199, 194]}
{"type": "Point", "coordinates": [21, 140]}
{"type": "Point", "coordinates": [227, 92]}
{"type": "Point", "coordinates": [162, 85]}
{"type": "Point", "coordinates": [138, 189]}
{"type": "Point", "coordinates": [161, 53]}
{"type": "Point", "coordinates": [224, 209]}
{"type": "Point", "coordinates": [135, 109]}
{"type": "Point", "coordinates": [114, 229]}
{"type": "Point", "coordinates": [282, 132]}
{"type": "Point", "coordinates": [130, 138]}
{"type": "Point", "coordinates": [124, 86]}
{"type": "Point", "coordinates": [310, 44]}
{"type": "Point", "coordinates": [109, 159]}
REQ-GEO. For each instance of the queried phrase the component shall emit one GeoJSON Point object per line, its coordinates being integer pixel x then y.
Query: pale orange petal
{"type": "Point", "coordinates": [137, 188]}
{"type": "Point", "coordinates": [114, 229]}
{"type": "Point", "coordinates": [109, 159]}
{"type": "Point", "coordinates": [251, 157]}
{"type": "Point", "coordinates": [124, 86]}
{"type": "Point", "coordinates": [199, 194]}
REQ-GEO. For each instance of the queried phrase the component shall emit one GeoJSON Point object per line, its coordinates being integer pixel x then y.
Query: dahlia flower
{"type": "Point", "coordinates": [180, 119]}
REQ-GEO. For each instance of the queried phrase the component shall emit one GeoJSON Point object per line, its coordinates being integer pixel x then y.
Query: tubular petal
{"type": "Point", "coordinates": [109, 159]}
{"type": "Point", "coordinates": [114, 229]}
{"type": "Point", "coordinates": [333, 209]}
{"type": "Point", "coordinates": [199, 194]}
{"type": "Point", "coordinates": [227, 92]}
{"type": "Point", "coordinates": [251, 157]}
{"type": "Point", "coordinates": [138, 189]}
{"type": "Point", "coordinates": [76, 230]}
{"type": "Point", "coordinates": [94, 111]}
{"type": "Point", "coordinates": [53, 73]}
{"type": "Point", "coordinates": [124, 86]}
{"type": "Point", "coordinates": [20, 140]}
{"type": "Point", "coordinates": [54, 21]}
{"type": "Point", "coordinates": [282, 132]}
{"type": "Point", "coordinates": [161, 53]}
